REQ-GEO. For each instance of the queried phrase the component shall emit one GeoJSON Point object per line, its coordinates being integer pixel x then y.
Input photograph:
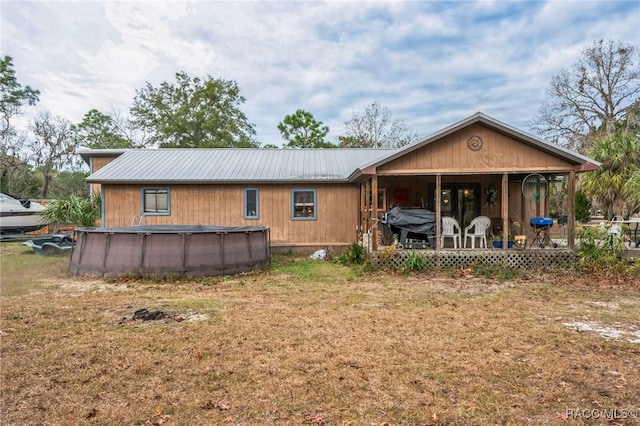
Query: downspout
{"type": "Point", "coordinates": [91, 172]}
{"type": "Point", "coordinates": [103, 222]}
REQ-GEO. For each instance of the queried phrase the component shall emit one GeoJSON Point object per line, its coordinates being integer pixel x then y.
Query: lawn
{"type": "Point", "coordinates": [313, 342]}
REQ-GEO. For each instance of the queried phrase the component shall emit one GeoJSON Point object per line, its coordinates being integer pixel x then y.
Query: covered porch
{"type": "Point", "coordinates": [477, 167]}
{"type": "Point", "coordinates": [509, 201]}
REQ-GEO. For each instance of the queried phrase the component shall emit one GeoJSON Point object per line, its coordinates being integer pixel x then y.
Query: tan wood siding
{"type": "Point", "coordinates": [96, 164]}
{"type": "Point", "coordinates": [99, 162]}
{"type": "Point", "coordinates": [337, 210]}
{"type": "Point", "coordinates": [499, 153]}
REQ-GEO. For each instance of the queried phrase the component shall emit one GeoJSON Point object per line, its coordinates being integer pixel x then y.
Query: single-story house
{"type": "Point", "coordinates": [319, 198]}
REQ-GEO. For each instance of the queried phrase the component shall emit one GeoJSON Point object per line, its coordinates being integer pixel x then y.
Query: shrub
{"type": "Point", "coordinates": [73, 211]}
{"type": "Point", "coordinates": [600, 248]}
{"type": "Point", "coordinates": [499, 270]}
{"type": "Point", "coordinates": [583, 207]}
{"type": "Point", "coordinates": [414, 262]}
{"type": "Point", "coordinates": [355, 254]}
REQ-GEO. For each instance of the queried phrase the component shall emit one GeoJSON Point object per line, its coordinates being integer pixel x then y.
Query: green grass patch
{"type": "Point", "coordinates": [314, 271]}
{"type": "Point", "coordinates": [22, 270]}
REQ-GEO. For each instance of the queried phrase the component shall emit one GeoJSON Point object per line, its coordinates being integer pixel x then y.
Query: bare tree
{"type": "Point", "coordinates": [375, 128]}
{"type": "Point", "coordinates": [591, 98]}
{"type": "Point", "coordinates": [137, 137]}
{"type": "Point", "coordinates": [51, 147]}
{"type": "Point", "coordinates": [16, 175]}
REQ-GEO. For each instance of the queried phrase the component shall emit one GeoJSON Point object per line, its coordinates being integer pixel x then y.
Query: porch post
{"type": "Point", "coordinates": [438, 210]}
{"type": "Point", "coordinates": [505, 211]}
{"type": "Point", "coordinates": [571, 210]}
{"type": "Point", "coordinates": [361, 211]}
{"type": "Point", "coordinates": [374, 212]}
{"type": "Point", "coordinates": [547, 197]}
{"type": "Point", "coordinates": [367, 205]}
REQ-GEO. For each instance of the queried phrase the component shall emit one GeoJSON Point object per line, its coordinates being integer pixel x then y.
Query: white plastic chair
{"type": "Point", "coordinates": [477, 229]}
{"type": "Point", "coordinates": [616, 225]}
{"type": "Point", "coordinates": [449, 226]}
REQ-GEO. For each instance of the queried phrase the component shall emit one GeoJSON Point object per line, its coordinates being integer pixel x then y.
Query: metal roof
{"type": "Point", "coordinates": [225, 165]}
{"type": "Point", "coordinates": [210, 165]}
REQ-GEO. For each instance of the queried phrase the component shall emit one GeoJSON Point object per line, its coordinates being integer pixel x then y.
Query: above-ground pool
{"type": "Point", "coordinates": [169, 250]}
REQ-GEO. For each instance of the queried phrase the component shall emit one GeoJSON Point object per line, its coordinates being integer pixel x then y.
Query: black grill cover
{"type": "Point", "coordinates": [418, 221]}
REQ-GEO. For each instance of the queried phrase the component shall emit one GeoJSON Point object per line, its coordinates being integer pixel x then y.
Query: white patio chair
{"type": "Point", "coordinates": [449, 226]}
{"type": "Point", "coordinates": [616, 226]}
{"type": "Point", "coordinates": [477, 229]}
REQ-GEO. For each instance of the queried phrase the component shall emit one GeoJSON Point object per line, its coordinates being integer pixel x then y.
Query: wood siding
{"type": "Point", "coordinates": [99, 162]}
{"type": "Point", "coordinates": [96, 164]}
{"type": "Point", "coordinates": [337, 210]}
{"type": "Point", "coordinates": [502, 162]}
{"type": "Point", "coordinates": [451, 155]}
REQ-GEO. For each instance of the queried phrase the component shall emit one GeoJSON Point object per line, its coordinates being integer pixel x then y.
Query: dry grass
{"type": "Point", "coordinates": [313, 343]}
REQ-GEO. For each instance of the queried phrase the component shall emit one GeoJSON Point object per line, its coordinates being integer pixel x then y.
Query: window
{"type": "Point", "coordinates": [303, 204]}
{"type": "Point", "coordinates": [155, 201]}
{"type": "Point", "coordinates": [251, 203]}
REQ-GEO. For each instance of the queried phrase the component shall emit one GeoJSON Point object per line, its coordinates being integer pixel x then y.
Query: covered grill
{"type": "Point", "coordinates": [416, 228]}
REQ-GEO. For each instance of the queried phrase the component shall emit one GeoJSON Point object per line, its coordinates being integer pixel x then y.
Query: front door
{"type": "Point", "coordinates": [459, 200]}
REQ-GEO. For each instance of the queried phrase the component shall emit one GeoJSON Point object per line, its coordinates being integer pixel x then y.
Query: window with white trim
{"type": "Point", "coordinates": [303, 204]}
{"type": "Point", "coordinates": [156, 201]}
{"type": "Point", "coordinates": [251, 203]}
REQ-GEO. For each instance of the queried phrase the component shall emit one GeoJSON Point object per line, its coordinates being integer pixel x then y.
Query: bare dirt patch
{"type": "Point", "coordinates": [623, 332]}
{"type": "Point", "coordinates": [76, 285]}
{"type": "Point", "coordinates": [457, 285]}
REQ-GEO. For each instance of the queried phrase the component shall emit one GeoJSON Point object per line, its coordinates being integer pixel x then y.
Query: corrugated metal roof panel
{"type": "Point", "coordinates": [235, 165]}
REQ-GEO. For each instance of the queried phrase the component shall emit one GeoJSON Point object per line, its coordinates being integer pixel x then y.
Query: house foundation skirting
{"type": "Point", "coordinates": [444, 260]}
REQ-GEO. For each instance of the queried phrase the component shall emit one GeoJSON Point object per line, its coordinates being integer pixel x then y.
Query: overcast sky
{"type": "Point", "coordinates": [431, 63]}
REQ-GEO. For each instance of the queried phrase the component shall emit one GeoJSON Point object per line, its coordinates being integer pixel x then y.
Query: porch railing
{"type": "Point", "coordinates": [446, 260]}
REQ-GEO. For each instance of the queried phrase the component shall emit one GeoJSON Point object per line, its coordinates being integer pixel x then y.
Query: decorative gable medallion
{"type": "Point", "coordinates": [474, 143]}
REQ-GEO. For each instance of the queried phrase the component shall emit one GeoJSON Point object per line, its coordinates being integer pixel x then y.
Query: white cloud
{"type": "Point", "coordinates": [431, 63]}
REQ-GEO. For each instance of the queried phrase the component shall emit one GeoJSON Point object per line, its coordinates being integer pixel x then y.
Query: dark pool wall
{"type": "Point", "coordinates": [169, 250]}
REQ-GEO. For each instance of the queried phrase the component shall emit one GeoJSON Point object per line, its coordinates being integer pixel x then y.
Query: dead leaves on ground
{"type": "Point", "coordinates": [314, 418]}
{"type": "Point", "coordinates": [221, 405]}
